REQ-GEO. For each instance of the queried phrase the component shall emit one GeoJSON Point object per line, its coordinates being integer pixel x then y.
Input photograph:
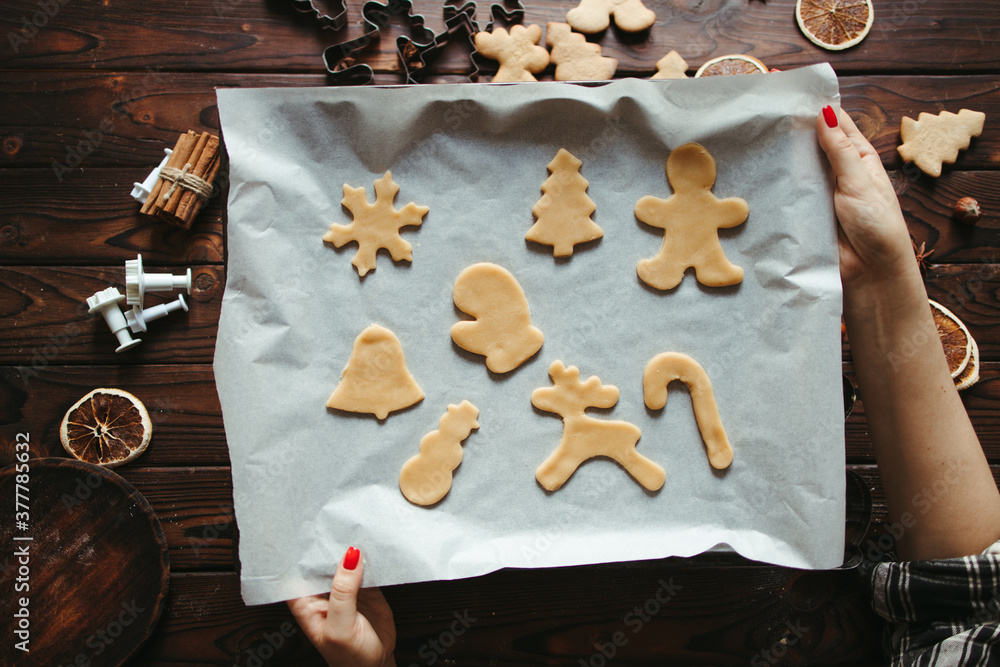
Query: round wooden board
{"type": "Point", "coordinates": [97, 565]}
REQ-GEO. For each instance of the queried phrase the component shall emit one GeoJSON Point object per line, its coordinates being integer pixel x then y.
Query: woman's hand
{"type": "Point", "coordinates": [350, 627]}
{"type": "Point", "coordinates": [873, 239]}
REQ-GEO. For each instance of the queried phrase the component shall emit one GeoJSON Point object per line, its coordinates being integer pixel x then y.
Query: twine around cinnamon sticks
{"type": "Point", "coordinates": [185, 182]}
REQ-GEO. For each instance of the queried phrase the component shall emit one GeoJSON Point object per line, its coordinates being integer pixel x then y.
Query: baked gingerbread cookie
{"type": "Point", "coordinates": [690, 219]}
{"type": "Point", "coordinates": [577, 59]}
{"type": "Point", "coordinates": [671, 66]}
{"type": "Point", "coordinates": [518, 52]}
{"type": "Point", "coordinates": [502, 330]}
{"type": "Point", "coordinates": [376, 379]}
{"type": "Point", "coordinates": [426, 477]}
{"type": "Point", "coordinates": [585, 437]}
{"type": "Point", "coordinates": [377, 225]}
{"type": "Point", "coordinates": [666, 367]}
{"type": "Point", "coordinates": [931, 141]}
{"type": "Point", "coordinates": [593, 16]}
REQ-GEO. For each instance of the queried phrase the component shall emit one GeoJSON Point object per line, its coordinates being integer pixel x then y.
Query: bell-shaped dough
{"type": "Point", "coordinates": [376, 379]}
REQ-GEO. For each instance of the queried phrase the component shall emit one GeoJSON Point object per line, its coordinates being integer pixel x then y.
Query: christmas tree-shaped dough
{"type": "Point", "coordinates": [502, 330]}
{"type": "Point", "coordinates": [577, 59]}
{"type": "Point", "coordinates": [376, 225]}
{"type": "Point", "coordinates": [585, 437]}
{"type": "Point", "coordinates": [426, 478]}
{"type": "Point", "coordinates": [376, 379]}
{"type": "Point", "coordinates": [690, 218]}
{"type": "Point", "coordinates": [932, 140]}
{"type": "Point", "coordinates": [564, 210]}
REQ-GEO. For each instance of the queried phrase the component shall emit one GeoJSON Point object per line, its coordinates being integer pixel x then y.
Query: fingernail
{"type": "Point", "coordinates": [830, 116]}
{"type": "Point", "coordinates": [351, 558]}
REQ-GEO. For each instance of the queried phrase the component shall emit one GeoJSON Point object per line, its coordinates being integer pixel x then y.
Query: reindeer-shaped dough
{"type": "Point", "coordinates": [666, 367]}
{"type": "Point", "coordinates": [690, 218]}
{"type": "Point", "coordinates": [585, 437]}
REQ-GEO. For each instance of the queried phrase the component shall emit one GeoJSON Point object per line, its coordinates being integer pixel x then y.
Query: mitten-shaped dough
{"type": "Point", "coordinates": [502, 330]}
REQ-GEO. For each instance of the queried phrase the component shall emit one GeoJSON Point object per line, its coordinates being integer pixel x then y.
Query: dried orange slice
{"type": "Point", "coordinates": [834, 24]}
{"type": "Point", "coordinates": [736, 63]}
{"type": "Point", "coordinates": [108, 427]}
{"type": "Point", "coordinates": [970, 375]}
{"type": "Point", "coordinates": [955, 338]}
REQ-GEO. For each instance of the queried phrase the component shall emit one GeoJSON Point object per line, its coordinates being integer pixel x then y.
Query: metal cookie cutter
{"type": "Point", "coordinates": [340, 59]}
{"type": "Point", "coordinates": [336, 21]}
{"type": "Point", "coordinates": [414, 53]}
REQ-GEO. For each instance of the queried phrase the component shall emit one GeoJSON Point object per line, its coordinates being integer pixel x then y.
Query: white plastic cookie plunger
{"type": "Point", "coordinates": [106, 303]}
{"type": "Point", "coordinates": [137, 283]}
{"type": "Point", "coordinates": [137, 318]}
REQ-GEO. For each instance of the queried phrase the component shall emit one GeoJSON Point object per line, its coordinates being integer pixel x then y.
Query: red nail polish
{"type": "Point", "coordinates": [830, 116]}
{"type": "Point", "coordinates": [351, 558]}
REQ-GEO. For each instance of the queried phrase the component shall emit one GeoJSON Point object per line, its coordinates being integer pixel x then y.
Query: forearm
{"type": "Point", "coordinates": [937, 481]}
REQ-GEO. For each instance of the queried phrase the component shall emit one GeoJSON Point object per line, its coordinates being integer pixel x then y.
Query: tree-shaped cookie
{"type": "Point", "coordinates": [690, 218]}
{"type": "Point", "coordinates": [577, 59]}
{"type": "Point", "coordinates": [517, 52]}
{"type": "Point", "coordinates": [376, 225]}
{"type": "Point", "coordinates": [592, 16]}
{"type": "Point", "coordinates": [502, 330]}
{"type": "Point", "coordinates": [671, 66]}
{"type": "Point", "coordinates": [932, 140]}
{"type": "Point", "coordinates": [563, 213]}
{"type": "Point", "coordinates": [376, 379]}
{"type": "Point", "coordinates": [585, 437]}
{"type": "Point", "coordinates": [666, 367]}
{"type": "Point", "coordinates": [426, 478]}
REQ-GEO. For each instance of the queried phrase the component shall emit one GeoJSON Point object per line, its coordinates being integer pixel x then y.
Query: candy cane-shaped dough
{"type": "Point", "coordinates": [666, 367]}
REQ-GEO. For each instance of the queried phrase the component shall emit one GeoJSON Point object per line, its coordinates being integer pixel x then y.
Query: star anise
{"type": "Point", "coordinates": [921, 253]}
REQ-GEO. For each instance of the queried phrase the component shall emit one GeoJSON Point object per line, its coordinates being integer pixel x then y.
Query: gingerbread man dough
{"type": "Point", "coordinates": [666, 367]}
{"type": "Point", "coordinates": [502, 330]}
{"type": "Point", "coordinates": [585, 437]}
{"type": "Point", "coordinates": [517, 52]}
{"type": "Point", "coordinates": [690, 218]}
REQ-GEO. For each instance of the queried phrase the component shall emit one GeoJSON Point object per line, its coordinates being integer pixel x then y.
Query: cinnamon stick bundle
{"type": "Point", "coordinates": [185, 182]}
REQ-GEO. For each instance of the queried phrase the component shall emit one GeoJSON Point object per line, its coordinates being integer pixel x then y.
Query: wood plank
{"type": "Point", "coordinates": [878, 104]}
{"type": "Point", "coordinates": [46, 322]}
{"type": "Point", "coordinates": [88, 219]}
{"type": "Point", "coordinates": [91, 219]}
{"type": "Point", "coordinates": [125, 120]}
{"type": "Point", "coordinates": [181, 400]}
{"type": "Point", "coordinates": [187, 418]}
{"type": "Point", "coordinates": [716, 615]}
{"type": "Point", "coordinates": [218, 35]}
{"type": "Point", "coordinates": [927, 206]}
{"type": "Point", "coordinates": [195, 508]}
{"type": "Point", "coordinates": [44, 310]}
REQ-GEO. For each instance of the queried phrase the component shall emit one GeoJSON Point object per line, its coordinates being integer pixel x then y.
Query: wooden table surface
{"type": "Point", "coordinates": [90, 94]}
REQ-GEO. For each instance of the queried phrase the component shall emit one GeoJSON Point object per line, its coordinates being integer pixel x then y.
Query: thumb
{"type": "Point", "coordinates": [343, 607]}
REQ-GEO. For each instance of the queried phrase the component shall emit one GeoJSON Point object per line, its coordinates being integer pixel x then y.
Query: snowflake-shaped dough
{"type": "Point", "coordinates": [377, 225]}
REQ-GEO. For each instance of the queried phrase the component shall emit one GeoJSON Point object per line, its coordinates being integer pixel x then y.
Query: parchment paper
{"type": "Point", "coordinates": [308, 481]}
